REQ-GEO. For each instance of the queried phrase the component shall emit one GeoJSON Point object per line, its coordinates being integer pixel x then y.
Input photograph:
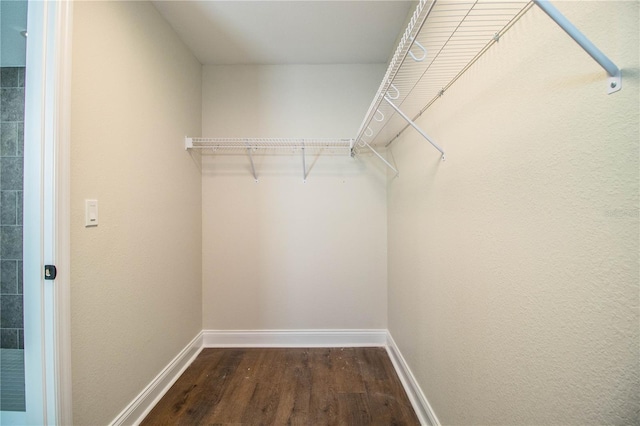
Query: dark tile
{"type": "Point", "coordinates": [20, 277]}
{"type": "Point", "coordinates": [9, 276]}
{"type": "Point", "coordinates": [11, 242]}
{"type": "Point", "coordinates": [9, 77]}
{"type": "Point", "coordinates": [11, 313]}
{"type": "Point", "coordinates": [8, 139]}
{"type": "Point", "coordinates": [21, 76]}
{"type": "Point", "coordinates": [20, 142]}
{"type": "Point", "coordinates": [12, 104]}
{"type": "Point", "coordinates": [20, 338]}
{"type": "Point", "coordinates": [9, 338]}
{"type": "Point", "coordinates": [11, 173]}
{"type": "Point", "coordinates": [19, 205]}
{"type": "Point", "coordinates": [8, 208]}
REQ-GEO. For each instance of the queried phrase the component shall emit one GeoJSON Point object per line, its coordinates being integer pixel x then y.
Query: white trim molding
{"type": "Point", "coordinates": [62, 308]}
{"type": "Point", "coordinates": [142, 404]}
{"type": "Point", "coordinates": [421, 406]}
{"type": "Point", "coordinates": [293, 338]}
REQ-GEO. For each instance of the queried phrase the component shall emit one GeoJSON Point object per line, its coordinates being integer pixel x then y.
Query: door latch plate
{"type": "Point", "coordinates": [50, 272]}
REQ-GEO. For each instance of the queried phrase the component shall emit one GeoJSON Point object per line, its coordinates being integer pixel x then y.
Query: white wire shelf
{"type": "Point", "coordinates": [264, 146]}
{"type": "Point", "coordinates": [443, 40]}
{"type": "Point", "coordinates": [448, 36]}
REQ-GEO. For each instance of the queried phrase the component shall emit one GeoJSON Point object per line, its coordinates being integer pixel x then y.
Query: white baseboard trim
{"type": "Point", "coordinates": [293, 338]}
{"type": "Point", "coordinates": [142, 404]}
{"type": "Point", "coordinates": [421, 406]}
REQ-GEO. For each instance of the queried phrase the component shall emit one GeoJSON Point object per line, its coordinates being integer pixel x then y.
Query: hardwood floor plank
{"type": "Point", "coordinates": [295, 388]}
{"type": "Point", "coordinates": [214, 386]}
{"type": "Point", "coordinates": [347, 377]}
{"type": "Point", "coordinates": [353, 409]}
{"type": "Point", "coordinates": [205, 379]}
{"type": "Point", "coordinates": [301, 386]}
{"type": "Point", "coordinates": [388, 401]}
{"type": "Point", "coordinates": [263, 402]}
{"type": "Point", "coordinates": [323, 406]}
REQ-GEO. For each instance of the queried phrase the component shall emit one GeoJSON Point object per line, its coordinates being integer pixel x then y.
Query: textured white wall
{"type": "Point", "coordinates": [513, 265]}
{"type": "Point", "coordinates": [283, 254]}
{"type": "Point", "coordinates": [136, 278]}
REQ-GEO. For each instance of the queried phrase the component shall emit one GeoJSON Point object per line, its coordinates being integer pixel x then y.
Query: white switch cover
{"type": "Point", "coordinates": [90, 213]}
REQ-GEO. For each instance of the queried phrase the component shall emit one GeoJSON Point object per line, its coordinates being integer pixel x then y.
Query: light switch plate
{"type": "Point", "coordinates": [90, 213]}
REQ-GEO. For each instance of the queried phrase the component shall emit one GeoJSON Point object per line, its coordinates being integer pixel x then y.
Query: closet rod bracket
{"type": "Point", "coordinates": [614, 82]}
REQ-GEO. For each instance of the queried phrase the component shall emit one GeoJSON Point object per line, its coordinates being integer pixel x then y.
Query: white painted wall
{"type": "Point", "coordinates": [287, 101]}
{"type": "Point", "coordinates": [136, 278]}
{"type": "Point", "coordinates": [513, 265]}
{"type": "Point", "coordinates": [283, 254]}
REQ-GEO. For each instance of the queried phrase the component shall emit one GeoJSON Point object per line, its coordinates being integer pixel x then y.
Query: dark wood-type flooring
{"type": "Point", "coordinates": [324, 386]}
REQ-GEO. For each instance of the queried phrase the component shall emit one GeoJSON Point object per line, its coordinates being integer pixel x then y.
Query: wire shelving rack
{"type": "Point", "coordinates": [443, 39]}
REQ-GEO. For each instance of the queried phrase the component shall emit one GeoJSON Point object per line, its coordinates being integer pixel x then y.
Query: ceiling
{"type": "Point", "coordinates": [235, 32]}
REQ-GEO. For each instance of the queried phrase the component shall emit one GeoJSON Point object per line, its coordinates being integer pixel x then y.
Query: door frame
{"type": "Point", "coordinates": [62, 211]}
{"type": "Point", "coordinates": [49, 96]}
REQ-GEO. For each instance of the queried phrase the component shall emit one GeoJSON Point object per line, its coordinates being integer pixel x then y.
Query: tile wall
{"type": "Point", "coordinates": [11, 178]}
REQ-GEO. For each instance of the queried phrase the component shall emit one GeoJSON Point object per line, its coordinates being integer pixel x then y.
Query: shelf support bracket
{"type": "Point", "coordinates": [384, 160]}
{"type": "Point", "coordinates": [614, 82]}
{"type": "Point", "coordinates": [414, 125]}
{"type": "Point", "coordinates": [304, 166]}
{"type": "Point", "coordinates": [253, 168]}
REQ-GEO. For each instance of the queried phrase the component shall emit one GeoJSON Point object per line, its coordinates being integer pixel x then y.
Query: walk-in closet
{"type": "Point", "coordinates": [326, 212]}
